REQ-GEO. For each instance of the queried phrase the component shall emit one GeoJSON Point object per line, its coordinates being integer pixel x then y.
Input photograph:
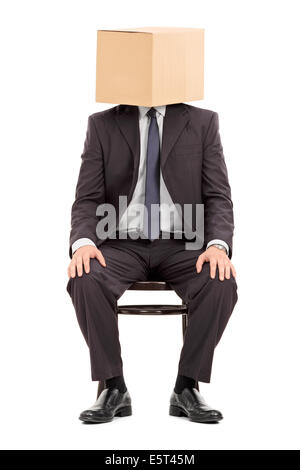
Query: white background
{"type": "Point", "coordinates": [48, 52]}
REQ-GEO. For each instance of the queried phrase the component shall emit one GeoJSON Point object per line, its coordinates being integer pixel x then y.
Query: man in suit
{"type": "Point", "coordinates": [168, 156]}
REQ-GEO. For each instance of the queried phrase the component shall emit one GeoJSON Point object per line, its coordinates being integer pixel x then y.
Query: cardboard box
{"type": "Point", "coordinates": [150, 66]}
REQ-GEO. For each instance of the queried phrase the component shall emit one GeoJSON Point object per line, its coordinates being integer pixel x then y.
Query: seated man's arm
{"type": "Point", "coordinates": [218, 207]}
{"type": "Point", "coordinates": [90, 192]}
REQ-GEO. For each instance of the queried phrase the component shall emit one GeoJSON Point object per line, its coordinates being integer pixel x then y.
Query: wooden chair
{"type": "Point", "coordinates": [152, 310]}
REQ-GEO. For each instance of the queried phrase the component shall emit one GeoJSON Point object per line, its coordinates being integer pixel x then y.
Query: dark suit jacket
{"type": "Point", "coordinates": [192, 165]}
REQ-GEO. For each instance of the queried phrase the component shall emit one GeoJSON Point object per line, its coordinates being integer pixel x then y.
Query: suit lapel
{"type": "Point", "coordinates": [127, 118]}
{"type": "Point", "coordinates": [175, 120]}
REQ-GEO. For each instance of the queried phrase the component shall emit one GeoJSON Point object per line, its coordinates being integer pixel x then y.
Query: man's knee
{"type": "Point", "coordinates": [86, 281]}
{"type": "Point", "coordinates": [227, 286]}
{"type": "Point", "coordinates": [204, 281]}
{"type": "Point", "coordinates": [223, 286]}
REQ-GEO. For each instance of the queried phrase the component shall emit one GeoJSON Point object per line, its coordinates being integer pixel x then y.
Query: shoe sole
{"type": "Point", "coordinates": [125, 411]}
{"type": "Point", "coordinates": [179, 412]}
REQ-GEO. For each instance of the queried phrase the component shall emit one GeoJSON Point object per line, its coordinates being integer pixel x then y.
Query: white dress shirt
{"type": "Point", "coordinates": [132, 219]}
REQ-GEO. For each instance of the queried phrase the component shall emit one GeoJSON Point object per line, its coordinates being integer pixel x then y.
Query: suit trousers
{"type": "Point", "coordinates": [95, 295]}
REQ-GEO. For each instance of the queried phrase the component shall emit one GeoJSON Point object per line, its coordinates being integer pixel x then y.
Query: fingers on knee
{"type": "Point", "coordinates": [94, 273]}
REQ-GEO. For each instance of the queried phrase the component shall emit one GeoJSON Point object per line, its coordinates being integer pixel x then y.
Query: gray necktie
{"type": "Point", "coordinates": [152, 190]}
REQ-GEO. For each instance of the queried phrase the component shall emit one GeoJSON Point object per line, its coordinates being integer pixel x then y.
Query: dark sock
{"type": "Point", "coordinates": [116, 382]}
{"type": "Point", "coordinates": [183, 382]}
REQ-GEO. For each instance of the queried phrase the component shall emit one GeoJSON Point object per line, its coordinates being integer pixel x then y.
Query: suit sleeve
{"type": "Point", "coordinates": [216, 191]}
{"type": "Point", "coordinates": [90, 189]}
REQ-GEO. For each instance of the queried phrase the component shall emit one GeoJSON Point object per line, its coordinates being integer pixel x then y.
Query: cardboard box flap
{"type": "Point", "coordinates": [153, 30]}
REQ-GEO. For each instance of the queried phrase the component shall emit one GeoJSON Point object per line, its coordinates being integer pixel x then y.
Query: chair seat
{"type": "Point", "coordinates": [152, 309]}
{"type": "Point", "coordinates": [150, 285]}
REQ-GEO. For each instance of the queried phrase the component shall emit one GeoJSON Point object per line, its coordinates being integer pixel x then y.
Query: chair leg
{"type": "Point", "coordinates": [184, 324]}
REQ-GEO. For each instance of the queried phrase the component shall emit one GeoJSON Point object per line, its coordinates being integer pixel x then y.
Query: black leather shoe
{"type": "Point", "coordinates": [191, 404]}
{"type": "Point", "coordinates": [110, 403]}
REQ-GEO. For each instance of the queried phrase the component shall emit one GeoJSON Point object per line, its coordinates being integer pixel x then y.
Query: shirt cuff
{"type": "Point", "coordinates": [81, 242]}
{"type": "Point", "coordinates": [218, 242]}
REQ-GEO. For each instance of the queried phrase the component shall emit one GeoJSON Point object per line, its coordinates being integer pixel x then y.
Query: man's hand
{"type": "Point", "coordinates": [216, 257]}
{"type": "Point", "coordinates": [82, 258]}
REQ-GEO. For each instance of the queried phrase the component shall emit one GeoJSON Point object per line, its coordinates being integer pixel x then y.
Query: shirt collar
{"type": "Point", "coordinates": [144, 109]}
